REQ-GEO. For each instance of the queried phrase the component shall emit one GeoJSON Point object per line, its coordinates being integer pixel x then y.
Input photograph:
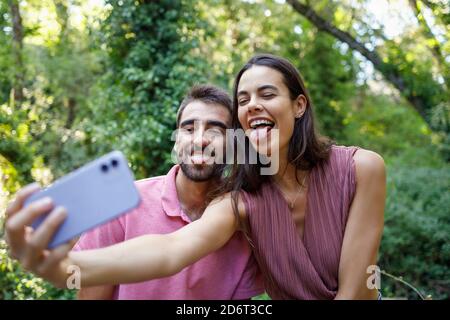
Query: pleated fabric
{"type": "Point", "coordinates": [307, 267]}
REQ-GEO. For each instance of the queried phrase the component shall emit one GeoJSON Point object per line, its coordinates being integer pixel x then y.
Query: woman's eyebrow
{"type": "Point", "coordinates": [261, 88]}
{"type": "Point", "coordinates": [267, 86]}
{"type": "Point", "coordinates": [242, 92]}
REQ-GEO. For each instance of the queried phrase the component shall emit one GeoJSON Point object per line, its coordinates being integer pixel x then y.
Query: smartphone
{"type": "Point", "coordinates": [92, 195]}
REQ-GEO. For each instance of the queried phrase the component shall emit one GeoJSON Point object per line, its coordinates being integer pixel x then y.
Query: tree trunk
{"type": "Point", "coordinates": [71, 104]}
{"type": "Point", "coordinates": [390, 72]}
{"type": "Point", "coordinates": [62, 16]}
{"type": "Point", "coordinates": [17, 46]}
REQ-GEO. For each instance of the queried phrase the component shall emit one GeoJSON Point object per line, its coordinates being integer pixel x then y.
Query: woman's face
{"type": "Point", "coordinates": [264, 104]}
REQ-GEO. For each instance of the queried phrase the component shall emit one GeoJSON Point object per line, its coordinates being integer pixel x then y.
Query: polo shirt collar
{"type": "Point", "coordinates": [169, 198]}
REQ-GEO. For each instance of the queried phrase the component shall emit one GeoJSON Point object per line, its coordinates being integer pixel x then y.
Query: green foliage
{"type": "Point", "coordinates": [44, 128]}
{"type": "Point", "coordinates": [388, 127]}
{"type": "Point", "coordinates": [6, 57]}
{"type": "Point", "coordinates": [416, 72]}
{"type": "Point", "coordinates": [16, 151]}
{"type": "Point", "coordinates": [64, 71]}
{"type": "Point", "coordinates": [440, 120]}
{"type": "Point", "coordinates": [416, 238]}
{"type": "Point", "coordinates": [16, 284]}
{"type": "Point", "coordinates": [263, 296]}
{"type": "Point", "coordinates": [330, 77]}
{"type": "Point", "coordinates": [152, 65]}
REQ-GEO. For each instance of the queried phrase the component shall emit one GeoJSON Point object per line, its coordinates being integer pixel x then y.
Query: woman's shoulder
{"type": "Point", "coordinates": [354, 157]}
{"type": "Point", "coordinates": [355, 152]}
{"type": "Point", "coordinates": [336, 150]}
{"type": "Point", "coordinates": [339, 157]}
{"type": "Point", "coordinates": [229, 200]}
{"type": "Point", "coordinates": [368, 163]}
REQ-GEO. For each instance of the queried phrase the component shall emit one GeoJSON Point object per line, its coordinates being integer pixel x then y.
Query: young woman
{"type": "Point", "coordinates": [315, 225]}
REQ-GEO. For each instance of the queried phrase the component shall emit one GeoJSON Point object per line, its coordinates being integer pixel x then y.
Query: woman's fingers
{"type": "Point", "coordinates": [55, 256]}
{"type": "Point", "coordinates": [41, 237]}
{"type": "Point", "coordinates": [15, 224]}
{"type": "Point", "coordinates": [30, 246]}
{"type": "Point", "coordinates": [21, 196]}
{"type": "Point", "coordinates": [28, 232]}
{"type": "Point", "coordinates": [51, 266]}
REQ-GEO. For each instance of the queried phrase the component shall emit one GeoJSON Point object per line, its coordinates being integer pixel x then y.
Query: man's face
{"type": "Point", "coordinates": [201, 140]}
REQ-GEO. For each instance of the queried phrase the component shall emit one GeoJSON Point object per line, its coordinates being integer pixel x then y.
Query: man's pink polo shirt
{"type": "Point", "coordinates": [229, 273]}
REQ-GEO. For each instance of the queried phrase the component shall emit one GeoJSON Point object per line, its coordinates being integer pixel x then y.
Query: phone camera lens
{"type": "Point", "coordinates": [104, 168]}
{"type": "Point", "coordinates": [114, 163]}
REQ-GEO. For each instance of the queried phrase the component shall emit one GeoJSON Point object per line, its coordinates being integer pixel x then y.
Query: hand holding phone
{"type": "Point", "coordinates": [92, 195]}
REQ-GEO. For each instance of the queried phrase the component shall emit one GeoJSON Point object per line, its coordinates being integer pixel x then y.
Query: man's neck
{"type": "Point", "coordinates": [192, 194]}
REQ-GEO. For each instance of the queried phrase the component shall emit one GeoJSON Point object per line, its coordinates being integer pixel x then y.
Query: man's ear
{"type": "Point", "coordinates": [175, 138]}
{"type": "Point", "coordinates": [174, 152]}
{"type": "Point", "coordinates": [175, 145]}
{"type": "Point", "coordinates": [301, 104]}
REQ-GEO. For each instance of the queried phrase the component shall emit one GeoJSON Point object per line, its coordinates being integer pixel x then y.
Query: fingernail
{"type": "Point", "coordinates": [57, 214]}
{"type": "Point", "coordinates": [61, 211]}
{"type": "Point", "coordinates": [46, 200]}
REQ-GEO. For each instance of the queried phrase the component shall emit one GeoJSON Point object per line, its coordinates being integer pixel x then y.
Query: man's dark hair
{"type": "Point", "coordinates": [208, 94]}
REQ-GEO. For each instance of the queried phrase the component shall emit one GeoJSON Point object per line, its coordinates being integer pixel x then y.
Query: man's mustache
{"type": "Point", "coordinates": [210, 151]}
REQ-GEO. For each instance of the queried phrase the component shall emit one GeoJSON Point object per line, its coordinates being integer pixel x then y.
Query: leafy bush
{"type": "Point", "coordinates": [17, 284]}
{"type": "Point", "coordinates": [152, 63]}
{"type": "Point", "coordinates": [388, 127]}
{"type": "Point", "coordinates": [416, 238]}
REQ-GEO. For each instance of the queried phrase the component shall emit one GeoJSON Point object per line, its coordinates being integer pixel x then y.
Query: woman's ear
{"type": "Point", "coordinates": [301, 104]}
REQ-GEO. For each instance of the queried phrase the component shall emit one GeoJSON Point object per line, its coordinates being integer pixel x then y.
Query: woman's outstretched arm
{"type": "Point", "coordinates": [364, 228]}
{"type": "Point", "coordinates": [157, 255]}
{"type": "Point", "coordinates": [138, 259]}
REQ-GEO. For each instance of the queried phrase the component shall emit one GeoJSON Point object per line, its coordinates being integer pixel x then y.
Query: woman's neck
{"type": "Point", "coordinates": [288, 176]}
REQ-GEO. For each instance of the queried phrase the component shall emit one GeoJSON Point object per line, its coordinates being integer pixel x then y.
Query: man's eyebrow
{"type": "Point", "coordinates": [216, 123]}
{"type": "Point", "coordinates": [187, 122]}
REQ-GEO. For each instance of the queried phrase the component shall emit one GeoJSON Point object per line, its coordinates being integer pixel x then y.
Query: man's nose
{"type": "Point", "coordinates": [200, 138]}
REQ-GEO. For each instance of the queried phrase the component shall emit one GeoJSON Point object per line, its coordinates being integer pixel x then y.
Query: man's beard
{"type": "Point", "coordinates": [202, 173]}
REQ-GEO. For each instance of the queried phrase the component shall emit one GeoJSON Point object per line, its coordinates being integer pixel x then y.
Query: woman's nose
{"type": "Point", "coordinates": [254, 107]}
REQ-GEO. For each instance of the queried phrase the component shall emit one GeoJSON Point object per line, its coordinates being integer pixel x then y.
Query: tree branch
{"type": "Point", "coordinates": [434, 46]}
{"type": "Point", "coordinates": [390, 72]}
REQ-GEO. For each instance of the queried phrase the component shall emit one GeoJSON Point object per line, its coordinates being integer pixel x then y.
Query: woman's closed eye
{"type": "Point", "coordinates": [243, 101]}
{"type": "Point", "coordinates": [268, 95]}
